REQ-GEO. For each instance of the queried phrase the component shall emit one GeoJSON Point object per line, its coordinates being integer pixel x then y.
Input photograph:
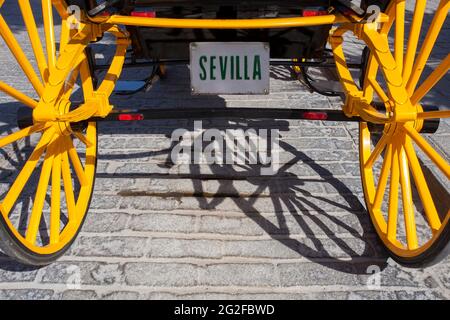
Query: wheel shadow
{"type": "Point", "coordinates": [287, 191]}
{"type": "Point", "coordinates": [11, 161]}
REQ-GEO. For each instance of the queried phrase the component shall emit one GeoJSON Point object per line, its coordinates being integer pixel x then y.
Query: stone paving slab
{"type": "Point", "coordinates": [158, 230]}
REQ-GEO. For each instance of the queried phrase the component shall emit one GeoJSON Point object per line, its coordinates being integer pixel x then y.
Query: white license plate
{"type": "Point", "coordinates": [230, 67]}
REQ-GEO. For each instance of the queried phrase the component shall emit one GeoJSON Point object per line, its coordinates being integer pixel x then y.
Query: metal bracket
{"type": "Point", "coordinates": [102, 7]}
{"type": "Point", "coordinates": [352, 7]}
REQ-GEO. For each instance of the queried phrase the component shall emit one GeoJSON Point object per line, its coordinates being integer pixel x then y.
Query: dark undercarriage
{"type": "Point", "coordinates": [160, 43]}
{"type": "Point", "coordinates": [284, 43]}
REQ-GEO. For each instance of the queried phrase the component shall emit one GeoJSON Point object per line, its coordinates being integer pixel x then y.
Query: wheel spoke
{"type": "Point", "coordinates": [16, 189]}
{"type": "Point", "coordinates": [380, 92]}
{"type": "Point", "coordinates": [83, 139]}
{"type": "Point", "coordinates": [68, 86]}
{"type": "Point", "coordinates": [47, 15]}
{"type": "Point", "coordinates": [68, 188]}
{"type": "Point", "coordinates": [422, 187]}
{"type": "Point", "coordinates": [371, 73]}
{"type": "Point", "coordinates": [65, 35]}
{"type": "Point", "coordinates": [428, 44]}
{"type": "Point", "coordinates": [408, 210]}
{"type": "Point", "coordinates": [86, 79]}
{"type": "Point", "coordinates": [393, 197]}
{"type": "Point", "coordinates": [41, 192]}
{"type": "Point", "coordinates": [377, 151]}
{"type": "Point", "coordinates": [76, 162]}
{"type": "Point", "coordinates": [21, 134]}
{"type": "Point", "coordinates": [414, 35]}
{"type": "Point", "coordinates": [373, 65]}
{"type": "Point", "coordinates": [57, 164]}
{"type": "Point", "coordinates": [433, 114]}
{"type": "Point", "coordinates": [61, 7]}
{"type": "Point", "coordinates": [390, 11]}
{"type": "Point", "coordinates": [91, 133]}
{"type": "Point", "coordinates": [429, 83]}
{"type": "Point", "coordinates": [382, 181]}
{"type": "Point", "coordinates": [35, 41]}
{"type": "Point", "coordinates": [399, 33]}
{"type": "Point", "coordinates": [55, 209]}
{"type": "Point", "coordinates": [20, 56]}
{"type": "Point", "coordinates": [18, 95]}
{"type": "Point", "coordinates": [429, 150]}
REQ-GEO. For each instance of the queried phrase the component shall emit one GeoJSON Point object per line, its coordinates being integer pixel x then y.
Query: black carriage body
{"type": "Point", "coordinates": [159, 43]}
{"type": "Point", "coordinates": [285, 43]}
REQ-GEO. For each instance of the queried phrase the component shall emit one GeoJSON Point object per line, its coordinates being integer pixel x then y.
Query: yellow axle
{"type": "Point", "coordinates": [274, 23]}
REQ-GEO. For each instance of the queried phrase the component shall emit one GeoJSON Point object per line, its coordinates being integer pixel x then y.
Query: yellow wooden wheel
{"type": "Point", "coordinates": [59, 173]}
{"type": "Point", "coordinates": [409, 207]}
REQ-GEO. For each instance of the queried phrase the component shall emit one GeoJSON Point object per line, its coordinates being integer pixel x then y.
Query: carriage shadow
{"type": "Point", "coordinates": [285, 189]}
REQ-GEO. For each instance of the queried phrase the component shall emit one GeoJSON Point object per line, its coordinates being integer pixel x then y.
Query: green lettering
{"type": "Point", "coordinates": [212, 68]}
{"type": "Point", "coordinates": [257, 68]}
{"type": "Point", "coordinates": [238, 68]}
{"type": "Point", "coordinates": [232, 68]}
{"type": "Point", "coordinates": [203, 59]}
{"type": "Point", "coordinates": [223, 66]}
{"type": "Point", "coordinates": [246, 77]}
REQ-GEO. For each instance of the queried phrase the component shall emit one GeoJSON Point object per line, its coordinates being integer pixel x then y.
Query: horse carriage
{"type": "Point", "coordinates": [229, 46]}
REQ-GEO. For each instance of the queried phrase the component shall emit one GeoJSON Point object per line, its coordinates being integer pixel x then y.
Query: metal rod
{"type": "Point", "coordinates": [25, 117]}
{"type": "Point", "coordinates": [186, 62]}
{"type": "Point", "coordinates": [242, 113]}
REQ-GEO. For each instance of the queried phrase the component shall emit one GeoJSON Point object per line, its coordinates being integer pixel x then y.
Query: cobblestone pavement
{"type": "Point", "coordinates": [158, 230]}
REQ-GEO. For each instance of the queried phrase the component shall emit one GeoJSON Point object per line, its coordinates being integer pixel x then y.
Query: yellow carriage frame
{"type": "Point", "coordinates": [402, 120]}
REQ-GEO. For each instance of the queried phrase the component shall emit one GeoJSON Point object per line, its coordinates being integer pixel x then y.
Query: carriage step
{"type": "Point", "coordinates": [129, 87]}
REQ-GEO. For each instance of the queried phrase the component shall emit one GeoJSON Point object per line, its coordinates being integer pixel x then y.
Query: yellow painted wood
{"type": "Point", "coordinates": [393, 196]}
{"type": "Point", "coordinates": [382, 181]}
{"type": "Point", "coordinates": [33, 35]}
{"type": "Point", "coordinates": [422, 187]}
{"type": "Point", "coordinates": [18, 95]}
{"type": "Point", "coordinates": [20, 56]}
{"type": "Point", "coordinates": [76, 163]}
{"type": "Point", "coordinates": [440, 162]}
{"type": "Point", "coordinates": [13, 137]}
{"type": "Point", "coordinates": [19, 183]}
{"type": "Point", "coordinates": [431, 81]}
{"type": "Point", "coordinates": [55, 144]}
{"type": "Point", "coordinates": [428, 44]}
{"type": "Point", "coordinates": [377, 151]}
{"type": "Point", "coordinates": [83, 139]}
{"type": "Point", "coordinates": [55, 206]}
{"type": "Point", "coordinates": [399, 39]}
{"type": "Point", "coordinates": [408, 209]}
{"type": "Point", "coordinates": [39, 199]}
{"type": "Point", "coordinates": [434, 114]}
{"type": "Point", "coordinates": [380, 92]}
{"type": "Point", "coordinates": [68, 189]}
{"type": "Point", "coordinates": [226, 24]}
{"type": "Point", "coordinates": [47, 17]}
{"type": "Point", "coordinates": [414, 35]}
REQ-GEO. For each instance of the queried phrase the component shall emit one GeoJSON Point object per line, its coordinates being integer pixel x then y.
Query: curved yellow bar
{"type": "Point", "coordinates": [272, 23]}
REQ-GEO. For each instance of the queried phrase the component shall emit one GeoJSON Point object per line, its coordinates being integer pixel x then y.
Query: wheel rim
{"type": "Point", "coordinates": [408, 214]}
{"type": "Point", "coordinates": [66, 154]}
